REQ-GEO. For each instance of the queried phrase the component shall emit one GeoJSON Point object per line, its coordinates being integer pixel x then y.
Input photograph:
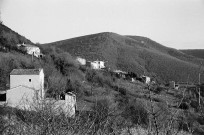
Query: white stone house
{"type": "Point", "coordinates": [31, 49]}
{"type": "Point", "coordinates": [81, 61]}
{"type": "Point", "coordinates": [97, 64]}
{"type": "Point", "coordinates": [26, 87]}
{"type": "Point", "coordinates": [27, 92]}
{"type": "Point", "coordinates": [146, 79]}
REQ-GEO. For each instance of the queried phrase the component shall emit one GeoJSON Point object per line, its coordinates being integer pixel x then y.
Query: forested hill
{"type": "Point", "coordinates": [9, 38]}
{"type": "Point", "coordinates": [199, 53]}
{"type": "Point", "coordinates": [133, 53]}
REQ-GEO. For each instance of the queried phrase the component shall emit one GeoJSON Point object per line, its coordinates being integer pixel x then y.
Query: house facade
{"type": "Point", "coordinates": [66, 104]}
{"type": "Point", "coordinates": [97, 64]}
{"type": "Point", "coordinates": [146, 79]}
{"type": "Point", "coordinates": [26, 86]}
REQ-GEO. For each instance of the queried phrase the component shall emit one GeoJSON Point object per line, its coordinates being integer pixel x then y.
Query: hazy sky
{"type": "Point", "coordinates": [174, 23]}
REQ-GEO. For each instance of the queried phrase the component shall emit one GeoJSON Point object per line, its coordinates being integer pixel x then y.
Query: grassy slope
{"type": "Point", "coordinates": [133, 53]}
{"type": "Point", "coordinates": [199, 53]}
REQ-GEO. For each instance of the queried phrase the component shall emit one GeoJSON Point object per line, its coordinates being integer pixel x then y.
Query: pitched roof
{"type": "Point", "coordinates": [26, 45]}
{"type": "Point", "coordinates": [25, 72]}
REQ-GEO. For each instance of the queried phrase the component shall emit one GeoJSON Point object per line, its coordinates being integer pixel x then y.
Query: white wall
{"type": "Point", "coordinates": [97, 65]}
{"type": "Point", "coordinates": [102, 64]}
{"type": "Point", "coordinates": [16, 80]}
{"type": "Point", "coordinates": [21, 97]}
{"type": "Point", "coordinates": [81, 61]}
{"type": "Point", "coordinates": [66, 106]}
{"type": "Point", "coordinates": [37, 81]}
{"type": "Point", "coordinates": [147, 80]}
{"type": "Point", "coordinates": [71, 104]}
{"type": "Point", "coordinates": [42, 78]}
{"type": "Point", "coordinates": [94, 65]}
{"type": "Point", "coordinates": [33, 50]}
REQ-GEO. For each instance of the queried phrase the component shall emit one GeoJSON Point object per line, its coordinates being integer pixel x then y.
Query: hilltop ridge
{"type": "Point", "coordinates": [199, 53]}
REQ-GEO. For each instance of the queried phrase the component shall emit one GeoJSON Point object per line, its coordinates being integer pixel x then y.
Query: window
{"type": "Point", "coordinates": [62, 97]}
{"type": "Point", "coordinates": [3, 97]}
{"type": "Point", "coordinates": [29, 80]}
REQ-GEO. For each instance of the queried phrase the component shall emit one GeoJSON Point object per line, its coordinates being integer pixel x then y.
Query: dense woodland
{"type": "Point", "coordinates": [113, 105]}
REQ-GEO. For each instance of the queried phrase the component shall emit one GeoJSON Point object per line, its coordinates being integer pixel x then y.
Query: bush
{"type": "Point", "coordinates": [98, 78]}
{"type": "Point", "coordinates": [64, 63]}
{"type": "Point", "coordinates": [136, 113]}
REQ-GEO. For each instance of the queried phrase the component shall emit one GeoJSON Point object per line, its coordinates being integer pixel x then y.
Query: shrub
{"type": "Point", "coordinates": [99, 78]}
{"type": "Point", "coordinates": [64, 63]}
{"type": "Point", "coordinates": [136, 113]}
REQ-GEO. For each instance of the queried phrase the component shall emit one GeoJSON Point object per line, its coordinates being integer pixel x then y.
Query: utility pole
{"type": "Point", "coordinates": [199, 84]}
{"type": "Point", "coordinates": [199, 87]}
{"type": "Point", "coordinates": [32, 57]}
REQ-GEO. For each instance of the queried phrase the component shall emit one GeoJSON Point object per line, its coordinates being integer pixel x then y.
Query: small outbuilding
{"type": "Point", "coordinates": [172, 84]}
{"type": "Point", "coordinates": [66, 104]}
{"type": "Point", "coordinates": [146, 79]}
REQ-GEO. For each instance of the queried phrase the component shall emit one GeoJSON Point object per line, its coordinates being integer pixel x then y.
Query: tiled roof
{"type": "Point", "coordinates": [25, 72]}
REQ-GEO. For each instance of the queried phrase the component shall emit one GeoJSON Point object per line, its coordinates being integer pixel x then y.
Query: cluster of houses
{"type": "Point", "coordinates": [92, 64]}
{"type": "Point", "coordinates": [189, 87]}
{"type": "Point", "coordinates": [27, 86]}
{"type": "Point", "coordinates": [98, 65]}
{"type": "Point", "coordinates": [27, 92]}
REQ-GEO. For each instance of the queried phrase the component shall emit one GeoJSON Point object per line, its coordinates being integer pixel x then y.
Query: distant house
{"type": "Point", "coordinates": [26, 86]}
{"type": "Point", "coordinates": [176, 86]}
{"type": "Point", "coordinates": [120, 74]}
{"type": "Point", "coordinates": [146, 79]}
{"type": "Point", "coordinates": [81, 61]}
{"type": "Point", "coordinates": [31, 49]}
{"type": "Point", "coordinates": [96, 64]}
{"type": "Point", "coordinates": [172, 84]}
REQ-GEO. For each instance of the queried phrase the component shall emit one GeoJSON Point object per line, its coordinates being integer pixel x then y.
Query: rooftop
{"type": "Point", "coordinates": [26, 45]}
{"type": "Point", "coordinates": [25, 72]}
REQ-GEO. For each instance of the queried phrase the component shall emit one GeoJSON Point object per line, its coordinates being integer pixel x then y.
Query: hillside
{"type": "Point", "coordinates": [9, 38]}
{"type": "Point", "coordinates": [133, 53]}
{"type": "Point", "coordinates": [199, 53]}
{"type": "Point", "coordinates": [111, 103]}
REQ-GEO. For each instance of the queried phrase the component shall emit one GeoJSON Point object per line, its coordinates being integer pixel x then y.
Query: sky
{"type": "Point", "coordinates": [174, 23]}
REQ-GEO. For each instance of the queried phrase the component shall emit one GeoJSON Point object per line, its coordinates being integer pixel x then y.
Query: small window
{"type": "Point", "coordinates": [2, 97]}
{"type": "Point", "coordinates": [62, 97]}
{"type": "Point", "coordinates": [29, 80]}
